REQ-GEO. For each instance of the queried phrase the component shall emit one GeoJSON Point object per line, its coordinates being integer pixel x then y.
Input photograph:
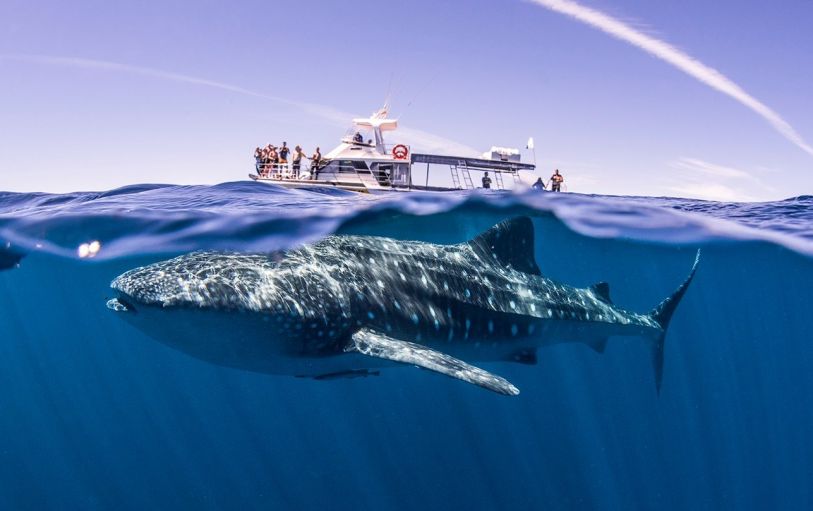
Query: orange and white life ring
{"type": "Point", "coordinates": [400, 152]}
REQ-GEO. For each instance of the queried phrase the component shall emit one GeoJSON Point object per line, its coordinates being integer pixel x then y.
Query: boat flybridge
{"type": "Point", "coordinates": [363, 162]}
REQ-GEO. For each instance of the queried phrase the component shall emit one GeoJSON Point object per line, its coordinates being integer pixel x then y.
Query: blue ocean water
{"type": "Point", "coordinates": [95, 415]}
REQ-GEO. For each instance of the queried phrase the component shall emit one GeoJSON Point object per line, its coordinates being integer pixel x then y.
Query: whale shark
{"type": "Point", "coordinates": [349, 305]}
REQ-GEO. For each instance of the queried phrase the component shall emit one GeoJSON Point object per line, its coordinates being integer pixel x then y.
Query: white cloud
{"type": "Point", "coordinates": [705, 167]}
{"type": "Point", "coordinates": [677, 58]}
{"type": "Point", "coordinates": [709, 191]}
{"type": "Point", "coordinates": [705, 180]}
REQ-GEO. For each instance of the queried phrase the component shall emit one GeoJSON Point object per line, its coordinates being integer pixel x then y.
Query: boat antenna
{"type": "Point", "coordinates": [420, 91]}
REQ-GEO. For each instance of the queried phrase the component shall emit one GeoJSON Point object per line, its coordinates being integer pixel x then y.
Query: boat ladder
{"type": "Point", "coordinates": [469, 185]}
{"type": "Point", "coordinates": [455, 176]}
{"type": "Point", "coordinates": [461, 169]}
{"type": "Point", "coordinates": [498, 180]}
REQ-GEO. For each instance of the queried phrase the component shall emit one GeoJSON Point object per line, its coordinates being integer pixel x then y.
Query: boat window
{"type": "Point", "coordinates": [400, 174]}
{"type": "Point", "coordinates": [353, 166]}
{"type": "Point", "coordinates": [363, 133]}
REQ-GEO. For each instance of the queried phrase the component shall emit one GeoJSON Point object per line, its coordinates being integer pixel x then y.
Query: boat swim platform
{"type": "Point", "coordinates": [472, 163]}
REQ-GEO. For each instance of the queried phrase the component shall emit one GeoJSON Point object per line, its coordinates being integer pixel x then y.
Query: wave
{"type": "Point", "coordinates": [160, 218]}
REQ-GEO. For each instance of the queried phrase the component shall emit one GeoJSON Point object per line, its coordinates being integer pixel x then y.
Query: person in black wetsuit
{"type": "Point", "coordinates": [539, 185]}
{"type": "Point", "coordinates": [486, 181]}
{"type": "Point", "coordinates": [358, 139]}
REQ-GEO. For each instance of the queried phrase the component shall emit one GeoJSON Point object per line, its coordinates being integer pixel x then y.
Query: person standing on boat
{"type": "Point", "coordinates": [258, 160]}
{"type": "Point", "coordinates": [266, 160]}
{"type": "Point", "coordinates": [486, 181]}
{"type": "Point", "coordinates": [316, 159]}
{"type": "Point", "coordinates": [556, 181]}
{"type": "Point", "coordinates": [283, 153]}
{"type": "Point", "coordinates": [272, 162]}
{"type": "Point", "coordinates": [298, 155]}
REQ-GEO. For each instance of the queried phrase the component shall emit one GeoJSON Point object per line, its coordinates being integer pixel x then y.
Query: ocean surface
{"type": "Point", "coordinates": [96, 415]}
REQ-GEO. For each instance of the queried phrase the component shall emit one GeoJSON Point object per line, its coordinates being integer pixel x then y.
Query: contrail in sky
{"type": "Point", "coordinates": [335, 116]}
{"type": "Point", "coordinates": [677, 58]}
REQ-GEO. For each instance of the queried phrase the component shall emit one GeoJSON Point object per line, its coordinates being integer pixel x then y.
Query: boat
{"type": "Point", "coordinates": [364, 162]}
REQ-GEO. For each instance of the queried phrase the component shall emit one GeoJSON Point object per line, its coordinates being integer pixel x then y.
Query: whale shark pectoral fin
{"type": "Point", "coordinates": [374, 344]}
{"type": "Point", "coordinates": [509, 243]}
{"type": "Point", "coordinates": [602, 292]}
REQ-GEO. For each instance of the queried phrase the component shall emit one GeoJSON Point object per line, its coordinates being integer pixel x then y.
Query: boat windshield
{"type": "Point", "coordinates": [361, 135]}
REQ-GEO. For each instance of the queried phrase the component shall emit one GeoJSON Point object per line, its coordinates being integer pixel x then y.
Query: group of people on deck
{"type": "Point", "coordinates": [555, 182]}
{"type": "Point", "coordinates": [272, 161]}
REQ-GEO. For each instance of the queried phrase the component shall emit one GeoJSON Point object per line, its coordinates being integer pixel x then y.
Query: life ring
{"type": "Point", "coordinates": [400, 152]}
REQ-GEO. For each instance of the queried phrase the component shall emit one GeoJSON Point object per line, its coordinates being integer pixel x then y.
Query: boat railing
{"type": "Point", "coordinates": [280, 171]}
{"type": "Point", "coordinates": [352, 141]}
{"type": "Point", "coordinates": [323, 171]}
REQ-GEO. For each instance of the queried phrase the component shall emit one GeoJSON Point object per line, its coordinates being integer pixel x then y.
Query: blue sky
{"type": "Point", "coordinates": [95, 95]}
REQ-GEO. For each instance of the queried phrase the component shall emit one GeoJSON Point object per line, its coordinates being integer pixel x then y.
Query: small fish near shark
{"type": "Point", "coordinates": [349, 304]}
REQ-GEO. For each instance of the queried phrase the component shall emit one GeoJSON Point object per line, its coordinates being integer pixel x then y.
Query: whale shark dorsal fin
{"type": "Point", "coordinates": [602, 291]}
{"type": "Point", "coordinates": [509, 243]}
{"type": "Point", "coordinates": [374, 344]}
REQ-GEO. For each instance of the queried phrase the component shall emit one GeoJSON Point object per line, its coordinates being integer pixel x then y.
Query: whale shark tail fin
{"type": "Point", "coordinates": [662, 314]}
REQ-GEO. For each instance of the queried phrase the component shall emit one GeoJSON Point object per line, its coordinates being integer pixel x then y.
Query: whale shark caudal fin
{"type": "Point", "coordinates": [662, 314]}
{"type": "Point", "coordinates": [374, 344]}
{"type": "Point", "coordinates": [509, 243]}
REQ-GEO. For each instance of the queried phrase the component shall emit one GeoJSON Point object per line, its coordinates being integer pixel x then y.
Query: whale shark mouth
{"type": "Point", "coordinates": [120, 304]}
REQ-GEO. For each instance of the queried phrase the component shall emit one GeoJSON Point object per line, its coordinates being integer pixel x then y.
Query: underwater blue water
{"type": "Point", "coordinates": [96, 415]}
